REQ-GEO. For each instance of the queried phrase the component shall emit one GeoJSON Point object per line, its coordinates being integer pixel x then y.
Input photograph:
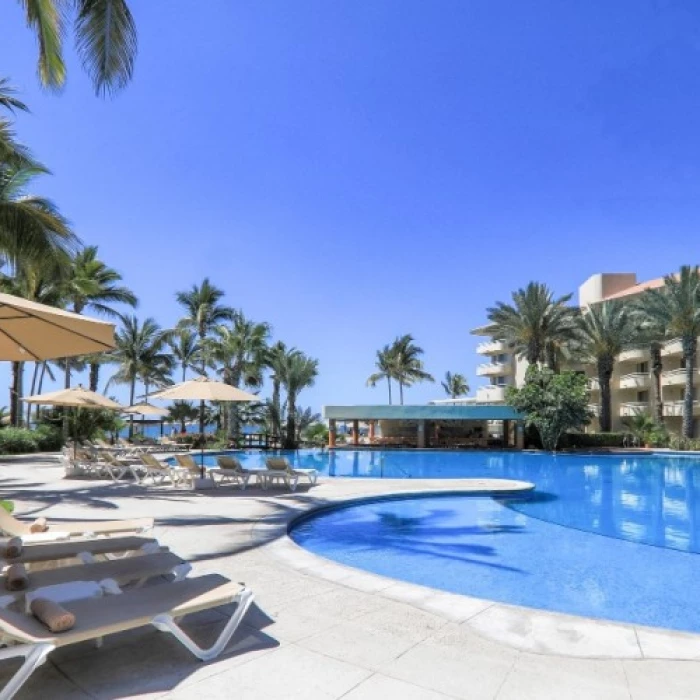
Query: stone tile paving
{"type": "Point", "coordinates": [324, 631]}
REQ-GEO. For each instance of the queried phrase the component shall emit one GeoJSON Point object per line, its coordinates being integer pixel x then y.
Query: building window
{"type": "Point", "coordinates": [643, 396]}
{"type": "Point", "coordinates": [682, 363]}
{"type": "Point", "coordinates": [643, 368]}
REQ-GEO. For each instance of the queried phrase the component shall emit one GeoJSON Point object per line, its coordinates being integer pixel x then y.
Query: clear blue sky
{"type": "Point", "coordinates": [351, 171]}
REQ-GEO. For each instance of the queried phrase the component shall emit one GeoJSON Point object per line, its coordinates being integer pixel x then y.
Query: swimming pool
{"type": "Point", "coordinates": [482, 547]}
{"type": "Point", "coordinates": [650, 499]}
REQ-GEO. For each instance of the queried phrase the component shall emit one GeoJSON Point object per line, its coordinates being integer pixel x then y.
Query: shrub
{"type": "Point", "coordinates": [574, 440]}
{"type": "Point", "coordinates": [14, 441]}
{"type": "Point", "coordinates": [48, 439]}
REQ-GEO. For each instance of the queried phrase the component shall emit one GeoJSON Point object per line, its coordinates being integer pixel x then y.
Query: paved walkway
{"type": "Point", "coordinates": [323, 631]}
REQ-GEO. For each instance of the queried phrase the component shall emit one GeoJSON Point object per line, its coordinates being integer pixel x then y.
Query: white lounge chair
{"type": "Point", "coordinates": [230, 471]}
{"type": "Point", "coordinates": [159, 605]}
{"type": "Point", "coordinates": [158, 472]}
{"type": "Point", "coordinates": [63, 530]}
{"type": "Point", "coordinates": [279, 469]}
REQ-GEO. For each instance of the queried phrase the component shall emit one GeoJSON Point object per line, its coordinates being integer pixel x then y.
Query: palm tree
{"type": "Point", "coordinates": [604, 330]}
{"type": "Point", "coordinates": [138, 354]}
{"type": "Point", "coordinates": [277, 357]}
{"type": "Point", "coordinates": [455, 385]}
{"type": "Point", "coordinates": [203, 310]}
{"type": "Point", "coordinates": [241, 351]}
{"type": "Point", "coordinates": [31, 227]}
{"type": "Point", "coordinates": [11, 152]}
{"type": "Point", "coordinates": [92, 285]}
{"type": "Point", "coordinates": [299, 372]}
{"type": "Point", "coordinates": [181, 412]}
{"type": "Point", "coordinates": [305, 418]}
{"type": "Point", "coordinates": [386, 366]}
{"type": "Point", "coordinates": [185, 349]}
{"type": "Point", "coordinates": [536, 325]}
{"type": "Point", "coordinates": [105, 38]}
{"type": "Point", "coordinates": [408, 367]}
{"type": "Point", "coordinates": [676, 307]}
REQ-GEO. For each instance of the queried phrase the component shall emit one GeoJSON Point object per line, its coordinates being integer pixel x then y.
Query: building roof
{"type": "Point", "coordinates": [423, 412]}
{"type": "Point", "coordinates": [637, 288]}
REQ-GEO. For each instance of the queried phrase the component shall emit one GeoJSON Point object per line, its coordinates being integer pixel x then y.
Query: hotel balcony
{"type": "Point", "coordinates": [493, 347]}
{"type": "Point", "coordinates": [491, 394]}
{"type": "Point", "coordinates": [593, 384]}
{"type": "Point", "coordinates": [494, 369]}
{"type": "Point", "coordinates": [594, 408]}
{"type": "Point", "coordinates": [673, 347]}
{"type": "Point", "coordinates": [634, 408]}
{"type": "Point", "coordinates": [635, 380]}
{"type": "Point", "coordinates": [633, 355]}
{"type": "Point", "coordinates": [676, 377]}
{"type": "Point", "coordinates": [675, 408]}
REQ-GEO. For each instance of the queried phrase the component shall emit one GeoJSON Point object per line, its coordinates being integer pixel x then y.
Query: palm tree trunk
{"type": "Point", "coordinates": [605, 367]}
{"type": "Point", "coordinates": [132, 394]}
{"type": "Point", "coordinates": [690, 345]}
{"type": "Point", "coordinates": [66, 379]}
{"type": "Point", "coordinates": [42, 374]}
{"type": "Point", "coordinates": [656, 368]}
{"type": "Point", "coordinates": [14, 394]}
{"type": "Point", "coordinates": [94, 375]}
{"type": "Point", "coordinates": [276, 413]}
{"type": "Point", "coordinates": [35, 374]}
{"type": "Point", "coordinates": [401, 392]}
{"type": "Point", "coordinates": [388, 381]}
{"type": "Point", "coordinates": [291, 421]}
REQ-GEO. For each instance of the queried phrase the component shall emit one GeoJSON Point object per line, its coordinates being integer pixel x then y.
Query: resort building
{"type": "Point", "coordinates": [632, 378]}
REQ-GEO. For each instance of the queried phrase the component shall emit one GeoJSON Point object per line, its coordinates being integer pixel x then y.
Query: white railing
{"type": "Point", "coordinates": [676, 408]}
{"type": "Point", "coordinates": [633, 355]}
{"type": "Point", "coordinates": [634, 380]}
{"type": "Point", "coordinates": [676, 377]}
{"type": "Point", "coordinates": [491, 369]}
{"type": "Point", "coordinates": [491, 393]}
{"type": "Point", "coordinates": [633, 408]}
{"type": "Point", "coordinates": [493, 347]}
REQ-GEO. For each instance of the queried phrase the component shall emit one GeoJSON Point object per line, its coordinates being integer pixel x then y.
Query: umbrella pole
{"type": "Point", "coordinates": [201, 431]}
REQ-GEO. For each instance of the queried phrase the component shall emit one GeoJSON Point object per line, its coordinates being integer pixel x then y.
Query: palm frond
{"type": "Point", "coordinates": [46, 18]}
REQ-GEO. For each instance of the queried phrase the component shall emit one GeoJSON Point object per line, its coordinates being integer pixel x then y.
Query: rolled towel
{"type": "Point", "coordinates": [53, 615]}
{"type": "Point", "coordinates": [16, 577]}
{"type": "Point", "coordinates": [39, 525]}
{"type": "Point", "coordinates": [13, 548]}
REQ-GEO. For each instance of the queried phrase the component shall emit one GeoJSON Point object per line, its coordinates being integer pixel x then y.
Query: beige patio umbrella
{"type": "Point", "coordinates": [31, 331]}
{"type": "Point", "coordinates": [77, 397]}
{"type": "Point", "coordinates": [204, 389]}
{"type": "Point", "coordinates": [145, 409]}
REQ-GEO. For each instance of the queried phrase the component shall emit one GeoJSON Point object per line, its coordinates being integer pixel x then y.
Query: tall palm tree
{"type": "Point", "coordinates": [241, 351]}
{"type": "Point", "coordinates": [105, 38]}
{"type": "Point", "coordinates": [651, 333]}
{"type": "Point", "coordinates": [92, 285]}
{"type": "Point", "coordinates": [31, 227]}
{"type": "Point", "coordinates": [277, 357]}
{"type": "Point", "coordinates": [455, 385]}
{"type": "Point", "coordinates": [676, 307]}
{"type": "Point", "coordinates": [185, 349]}
{"type": "Point", "coordinates": [203, 310]}
{"type": "Point", "coordinates": [181, 412]}
{"type": "Point", "coordinates": [305, 418]}
{"type": "Point", "coordinates": [12, 152]}
{"type": "Point", "coordinates": [604, 330]}
{"type": "Point", "coordinates": [536, 325]}
{"type": "Point", "coordinates": [140, 350]}
{"type": "Point", "coordinates": [408, 366]}
{"type": "Point", "coordinates": [386, 368]}
{"type": "Point", "coordinates": [299, 372]}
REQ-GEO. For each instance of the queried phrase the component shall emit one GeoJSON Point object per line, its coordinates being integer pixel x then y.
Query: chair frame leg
{"type": "Point", "coordinates": [166, 623]}
{"type": "Point", "coordinates": [34, 656]}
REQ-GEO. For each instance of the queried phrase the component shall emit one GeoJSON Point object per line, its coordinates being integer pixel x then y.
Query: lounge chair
{"type": "Point", "coordinates": [279, 469]}
{"type": "Point", "coordinates": [86, 551]}
{"type": "Point", "coordinates": [131, 570]}
{"type": "Point", "coordinates": [63, 530]}
{"type": "Point", "coordinates": [152, 468]}
{"type": "Point", "coordinates": [159, 605]}
{"type": "Point", "coordinates": [231, 471]}
{"type": "Point", "coordinates": [188, 467]}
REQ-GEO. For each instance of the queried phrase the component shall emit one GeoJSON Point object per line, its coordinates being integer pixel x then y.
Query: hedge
{"type": "Point", "coordinates": [574, 440]}
{"type": "Point", "coordinates": [15, 441]}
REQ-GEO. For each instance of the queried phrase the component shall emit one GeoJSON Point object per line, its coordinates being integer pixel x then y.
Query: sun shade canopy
{"type": "Point", "coordinates": [31, 331]}
{"type": "Point", "coordinates": [204, 389]}
{"type": "Point", "coordinates": [144, 409]}
{"type": "Point", "coordinates": [78, 396]}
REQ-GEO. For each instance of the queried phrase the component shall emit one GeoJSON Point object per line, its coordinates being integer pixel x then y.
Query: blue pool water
{"type": "Point", "coordinates": [479, 546]}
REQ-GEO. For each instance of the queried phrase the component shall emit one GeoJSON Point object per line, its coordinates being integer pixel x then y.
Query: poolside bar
{"type": "Point", "coordinates": [432, 425]}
